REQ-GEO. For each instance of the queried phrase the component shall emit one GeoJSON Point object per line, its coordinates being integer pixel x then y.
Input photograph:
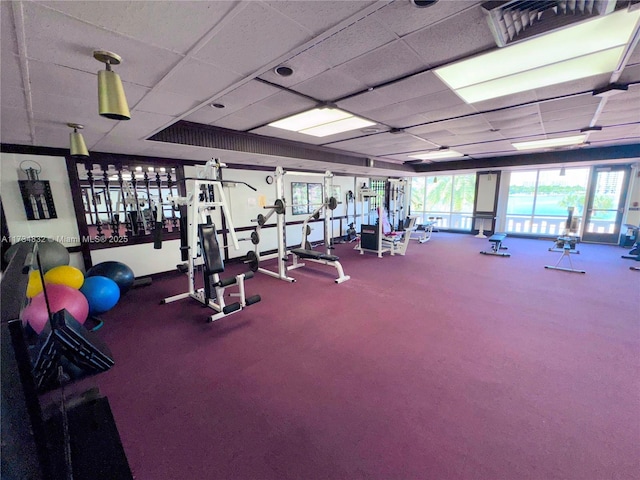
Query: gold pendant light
{"type": "Point", "coordinates": [77, 146]}
{"type": "Point", "coordinates": [111, 97]}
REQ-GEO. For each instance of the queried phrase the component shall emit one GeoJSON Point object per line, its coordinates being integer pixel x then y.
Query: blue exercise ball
{"type": "Point", "coordinates": [116, 271]}
{"type": "Point", "coordinates": [102, 293]}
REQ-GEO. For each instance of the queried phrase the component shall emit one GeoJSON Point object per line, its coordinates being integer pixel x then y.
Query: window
{"type": "Point", "coordinates": [305, 197]}
{"type": "Point", "coordinates": [446, 197]}
{"type": "Point", "coordinates": [120, 201]}
{"type": "Point", "coordinates": [539, 200]}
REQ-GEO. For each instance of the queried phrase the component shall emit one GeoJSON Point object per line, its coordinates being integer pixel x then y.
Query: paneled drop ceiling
{"type": "Point", "coordinates": [375, 59]}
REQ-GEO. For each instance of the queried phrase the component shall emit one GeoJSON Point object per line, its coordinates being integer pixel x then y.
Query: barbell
{"type": "Point", "coordinates": [280, 206]}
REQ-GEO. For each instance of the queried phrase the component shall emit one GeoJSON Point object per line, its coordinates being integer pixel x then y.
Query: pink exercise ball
{"type": "Point", "coordinates": [60, 297]}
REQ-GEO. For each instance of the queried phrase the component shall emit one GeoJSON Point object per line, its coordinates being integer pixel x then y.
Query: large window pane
{"type": "Point", "coordinates": [439, 195]}
{"type": "Point", "coordinates": [463, 193]}
{"type": "Point", "coordinates": [539, 200]}
{"type": "Point", "coordinates": [607, 195]}
{"type": "Point", "coordinates": [556, 193]}
{"type": "Point", "coordinates": [522, 192]}
{"type": "Point", "coordinates": [449, 199]}
{"type": "Point", "coordinates": [418, 192]}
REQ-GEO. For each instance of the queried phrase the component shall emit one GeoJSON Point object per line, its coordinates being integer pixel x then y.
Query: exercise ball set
{"type": "Point", "coordinates": [68, 288]}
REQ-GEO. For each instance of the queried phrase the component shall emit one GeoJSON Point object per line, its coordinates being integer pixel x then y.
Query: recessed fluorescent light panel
{"type": "Point", "coordinates": [437, 155]}
{"type": "Point", "coordinates": [589, 48]}
{"type": "Point", "coordinates": [322, 122]}
{"type": "Point", "coordinates": [550, 142]}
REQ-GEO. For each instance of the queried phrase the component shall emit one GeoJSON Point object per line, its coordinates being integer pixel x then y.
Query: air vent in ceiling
{"type": "Point", "coordinates": [516, 20]}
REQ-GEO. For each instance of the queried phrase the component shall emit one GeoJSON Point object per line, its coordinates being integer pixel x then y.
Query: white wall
{"type": "Point", "coordinates": [142, 259]}
{"type": "Point", "coordinates": [64, 228]}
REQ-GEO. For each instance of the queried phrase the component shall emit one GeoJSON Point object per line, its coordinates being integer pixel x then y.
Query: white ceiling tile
{"type": "Point", "coordinates": [415, 86]}
{"type": "Point", "coordinates": [565, 125]}
{"type": "Point", "coordinates": [619, 117]}
{"type": "Point", "coordinates": [569, 113]}
{"type": "Point", "coordinates": [54, 37]}
{"type": "Point", "coordinates": [570, 88]}
{"type": "Point", "coordinates": [304, 66]}
{"type": "Point", "coordinates": [470, 124]}
{"type": "Point", "coordinates": [205, 115]}
{"type": "Point", "coordinates": [389, 62]}
{"type": "Point", "coordinates": [515, 133]}
{"type": "Point", "coordinates": [330, 85]}
{"type": "Point", "coordinates": [512, 114]}
{"type": "Point", "coordinates": [437, 46]}
{"type": "Point", "coordinates": [364, 102]}
{"type": "Point", "coordinates": [416, 106]}
{"type": "Point", "coordinates": [64, 81]}
{"type": "Point", "coordinates": [506, 101]}
{"type": "Point", "coordinates": [405, 121]}
{"type": "Point", "coordinates": [15, 126]}
{"type": "Point", "coordinates": [58, 109]}
{"type": "Point", "coordinates": [12, 97]}
{"type": "Point", "coordinates": [586, 100]}
{"type": "Point", "coordinates": [631, 73]}
{"type": "Point", "coordinates": [141, 125]}
{"type": "Point", "coordinates": [257, 36]}
{"type": "Point", "coordinates": [174, 25]}
{"type": "Point", "coordinates": [612, 133]}
{"type": "Point", "coordinates": [115, 144]}
{"type": "Point", "coordinates": [359, 38]}
{"type": "Point", "coordinates": [198, 80]}
{"type": "Point", "coordinates": [403, 17]}
{"type": "Point", "coordinates": [7, 32]}
{"type": "Point", "coordinates": [166, 103]}
{"type": "Point", "coordinates": [527, 121]}
{"type": "Point", "coordinates": [272, 108]}
{"type": "Point", "coordinates": [383, 143]}
{"type": "Point", "coordinates": [319, 15]}
{"type": "Point", "coordinates": [235, 100]}
{"type": "Point", "coordinates": [10, 73]}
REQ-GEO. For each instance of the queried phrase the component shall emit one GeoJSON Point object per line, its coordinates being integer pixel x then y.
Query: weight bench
{"type": "Point", "coordinates": [318, 257]}
{"type": "Point", "coordinates": [496, 239]}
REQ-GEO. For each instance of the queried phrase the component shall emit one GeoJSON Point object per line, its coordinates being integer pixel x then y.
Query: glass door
{"type": "Point", "coordinates": [605, 206]}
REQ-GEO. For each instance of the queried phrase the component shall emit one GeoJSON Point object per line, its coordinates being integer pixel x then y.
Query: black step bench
{"type": "Point", "coordinates": [314, 255]}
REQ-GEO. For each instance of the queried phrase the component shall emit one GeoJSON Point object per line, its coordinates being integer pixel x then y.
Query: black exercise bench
{"type": "Point", "coordinates": [496, 240]}
{"type": "Point", "coordinates": [314, 255]}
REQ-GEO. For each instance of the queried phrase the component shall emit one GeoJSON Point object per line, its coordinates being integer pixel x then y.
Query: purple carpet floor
{"type": "Point", "coordinates": [442, 364]}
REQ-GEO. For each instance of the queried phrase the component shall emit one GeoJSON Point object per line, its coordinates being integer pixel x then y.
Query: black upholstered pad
{"type": "Point", "coordinates": [313, 254]}
{"type": "Point", "coordinates": [210, 249]}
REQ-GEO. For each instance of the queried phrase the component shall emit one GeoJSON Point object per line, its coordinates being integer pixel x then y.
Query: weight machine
{"type": "Point", "coordinates": [566, 243]}
{"type": "Point", "coordinates": [381, 238]}
{"type": "Point", "coordinates": [200, 246]}
{"type": "Point", "coordinates": [305, 251]}
{"type": "Point", "coordinates": [569, 234]}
